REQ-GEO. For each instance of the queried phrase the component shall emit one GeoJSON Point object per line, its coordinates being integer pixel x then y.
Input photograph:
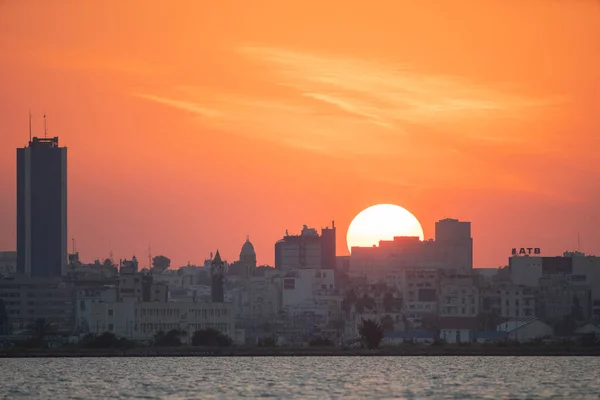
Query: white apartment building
{"type": "Point", "coordinates": [258, 299]}
{"type": "Point", "coordinates": [267, 296]}
{"type": "Point", "coordinates": [459, 297]}
{"type": "Point", "coordinates": [85, 298]}
{"type": "Point", "coordinates": [310, 295]}
{"type": "Point", "coordinates": [302, 285]}
{"type": "Point", "coordinates": [420, 293]}
{"type": "Point", "coordinates": [577, 269]}
{"type": "Point", "coordinates": [141, 321]}
{"type": "Point", "coordinates": [517, 302]}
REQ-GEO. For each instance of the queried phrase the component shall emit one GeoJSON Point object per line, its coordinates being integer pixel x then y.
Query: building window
{"type": "Point", "coordinates": [111, 327]}
{"type": "Point", "coordinates": [110, 313]}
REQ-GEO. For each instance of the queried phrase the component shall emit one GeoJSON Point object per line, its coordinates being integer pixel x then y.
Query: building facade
{"type": "Point", "coordinates": [8, 263]}
{"type": "Point", "coordinates": [306, 251]}
{"type": "Point", "coordinates": [141, 321]}
{"type": "Point", "coordinates": [28, 300]}
{"type": "Point", "coordinates": [452, 250]}
{"type": "Point", "coordinates": [562, 282]}
{"type": "Point", "coordinates": [42, 208]}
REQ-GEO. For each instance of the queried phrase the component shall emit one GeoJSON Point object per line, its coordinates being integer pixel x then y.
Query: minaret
{"type": "Point", "coordinates": [217, 272]}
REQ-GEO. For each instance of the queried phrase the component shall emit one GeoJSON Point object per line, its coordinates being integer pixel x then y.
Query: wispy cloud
{"type": "Point", "coordinates": [341, 97]}
{"type": "Point", "coordinates": [348, 107]}
{"type": "Point", "coordinates": [184, 105]}
{"type": "Point", "coordinates": [385, 92]}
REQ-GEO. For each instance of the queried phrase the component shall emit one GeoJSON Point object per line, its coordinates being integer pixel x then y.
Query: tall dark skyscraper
{"type": "Point", "coordinates": [42, 208]}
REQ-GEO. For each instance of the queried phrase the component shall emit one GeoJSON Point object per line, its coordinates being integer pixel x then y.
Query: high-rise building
{"type": "Point", "coordinates": [42, 208]}
{"type": "Point", "coordinates": [454, 243]}
{"type": "Point", "coordinates": [328, 251]}
{"type": "Point", "coordinates": [307, 250]}
{"type": "Point", "coordinates": [302, 251]}
{"type": "Point", "coordinates": [452, 249]}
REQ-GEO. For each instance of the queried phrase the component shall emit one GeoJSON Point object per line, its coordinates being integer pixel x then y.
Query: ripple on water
{"type": "Point", "coordinates": [301, 377]}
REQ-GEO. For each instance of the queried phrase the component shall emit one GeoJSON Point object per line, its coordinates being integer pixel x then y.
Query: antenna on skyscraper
{"type": "Point", "coordinates": [149, 257]}
{"type": "Point", "coordinates": [30, 125]}
{"type": "Point", "coordinates": [578, 249]}
{"type": "Point", "coordinates": [45, 129]}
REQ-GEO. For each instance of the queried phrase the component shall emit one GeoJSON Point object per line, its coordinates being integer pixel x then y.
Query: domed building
{"type": "Point", "coordinates": [246, 265]}
{"type": "Point", "coordinates": [248, 255]}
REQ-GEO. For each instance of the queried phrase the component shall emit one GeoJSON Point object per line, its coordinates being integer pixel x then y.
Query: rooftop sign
{"type": "Point", "coordinates": [526, 251]}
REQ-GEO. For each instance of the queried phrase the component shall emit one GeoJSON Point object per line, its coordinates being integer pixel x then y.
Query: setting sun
{"type": "Point", "coordinates": [382, 222]}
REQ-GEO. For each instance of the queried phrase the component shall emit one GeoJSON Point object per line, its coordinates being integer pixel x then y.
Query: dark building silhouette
{"type": "Point", "coordinates": [328, 252]}
{"type": "Point", "coordinates": [42, 208]}
{"type": "Point", "coordinates": [454, 244]}
{"type": "Point", "coordinates": [306, 250]}
{"type": "Point", "coordinates": [217, 273]}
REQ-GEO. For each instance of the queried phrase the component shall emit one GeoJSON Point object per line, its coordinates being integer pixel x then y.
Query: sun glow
{"type": "Point", "coordinates": [381, 222]}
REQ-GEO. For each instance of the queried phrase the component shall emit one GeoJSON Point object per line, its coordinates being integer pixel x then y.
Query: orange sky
{"type": "Point", "coordinates": [193, 123]}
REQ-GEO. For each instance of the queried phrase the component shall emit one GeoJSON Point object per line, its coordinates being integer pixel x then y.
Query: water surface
{"type": "Point", "coordinates": [301, 378]}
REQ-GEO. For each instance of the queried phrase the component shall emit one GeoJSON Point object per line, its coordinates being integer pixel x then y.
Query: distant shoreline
{"type": "Point", "coordinates": [447, 351]}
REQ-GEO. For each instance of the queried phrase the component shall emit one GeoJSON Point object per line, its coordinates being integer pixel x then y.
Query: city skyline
{"type": "Point", "coordinates": [203, 134]}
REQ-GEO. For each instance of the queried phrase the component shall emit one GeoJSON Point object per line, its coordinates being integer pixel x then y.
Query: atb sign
{"type": "Point", "coordinates": [526, 251]}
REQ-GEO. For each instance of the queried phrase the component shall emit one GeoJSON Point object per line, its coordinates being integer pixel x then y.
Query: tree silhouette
{"type": "Point", "coordinates": [3, 318]}
{"type": "Point", "coordinates": [320, 342]}
{"type": "Point", "coordinates": [211, 338]}
{"type": "Point", "coordinates": [38, 331]}
{"type": "Point", "coordinates": [106, 340]}
{"type": "Point", "coordinates": [371, 333]}
{"type": "Point", "coordinates": [160, 264]}
{"type": "Point", "coordinates": [388, 302]}
{"type": "Point", "coordinates": [169, 339]}
{"type": "Point", "coordinates": [368, 302]}
{"type": "Point", "coordinates": [349, 300]}
{"type": "Point", "coordinates": [431, 323]}
{"type": "Point", "coordinates": [577, 310]}
{"type": "Point", "coordinates": [387, 323]}
{"type": "Point", "coordinates": [488, 321]}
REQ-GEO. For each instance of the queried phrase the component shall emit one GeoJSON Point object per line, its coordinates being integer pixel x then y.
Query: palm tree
{"type": "Point", "coordinates": [431, 323]}
{"type": "Point", "coordinates": [368, 302]}
{"type": "Point", "coordinates": [3, 318]}
{"type": "Point", "coordinates": [388, 302]}
{"type": "Point", "coordinates": [40, 329]}
{"type": "Point", "coordinates": [387, 323]}
{"type": "Point", "coordinates": [371, 333]}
